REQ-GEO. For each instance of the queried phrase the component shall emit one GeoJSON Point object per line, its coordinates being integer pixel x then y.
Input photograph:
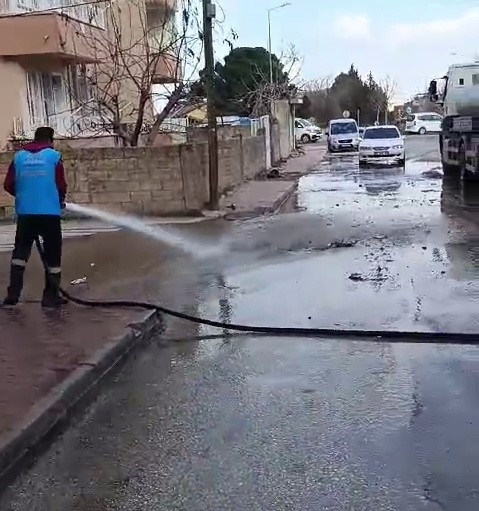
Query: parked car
{"type": "Point", "coordinates": [343, 134]}
{"type": "Point", "coordinates": [382, 144]}
{"type": "Point", "coordinates": [305, 131]}
{"type": "Point", "coordinates": [423, 122]}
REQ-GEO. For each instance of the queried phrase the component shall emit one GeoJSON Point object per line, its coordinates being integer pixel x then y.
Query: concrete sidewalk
{"type": "Point", "coordinates": [258, 197]}
{"type": "Point", "coordinates": [46, 354]}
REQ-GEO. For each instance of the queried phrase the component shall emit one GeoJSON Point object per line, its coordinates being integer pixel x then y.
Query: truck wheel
{"type": "Point", "coordinates": [468, 176]}
{"type": "Point", "coordinates": [422, 131]}
{"type": "Point", "coordinates": [448, 169]}
{"type": "Point", "coordinates": [461, 159]}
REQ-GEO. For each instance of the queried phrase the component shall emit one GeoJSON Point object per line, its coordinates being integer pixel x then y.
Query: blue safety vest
{"type": "Point", "coordinates": [36, 191]}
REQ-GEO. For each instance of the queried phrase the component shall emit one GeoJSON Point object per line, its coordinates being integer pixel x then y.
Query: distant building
{"type": "Point", "coordinates": [421, 103]}
{"type": "Point", "coordinates": [195, 113]}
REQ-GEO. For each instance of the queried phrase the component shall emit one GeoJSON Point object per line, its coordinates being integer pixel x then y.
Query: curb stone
{"type": "Point", "coordinates": [273, 208]}
{"type": "Point", "coordinates": [280, 202]}
{"type": "Point", "coordinates": [56, 405]}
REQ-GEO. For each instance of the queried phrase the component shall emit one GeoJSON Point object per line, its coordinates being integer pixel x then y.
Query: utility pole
{"type": "Point", "coordinates": [269, 49]}
{"type": "Point", "coordinates": [209, 13]}
{"type": "Point", "coordinates": [269, 38]}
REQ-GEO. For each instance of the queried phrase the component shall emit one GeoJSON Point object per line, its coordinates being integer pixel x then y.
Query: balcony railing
{"type": "Point", "coordinates": [66, 125]}
{"type": "Point", "coordinates": [93, 14]}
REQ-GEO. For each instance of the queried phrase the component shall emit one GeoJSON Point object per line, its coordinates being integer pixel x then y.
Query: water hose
{"type": "Point", "coordinates": [411, 337]}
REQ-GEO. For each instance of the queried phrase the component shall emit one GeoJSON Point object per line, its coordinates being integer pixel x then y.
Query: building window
{"type": "Point", "coordinates": [47, 100]}
{"type": "Point", "coordinates": [461, 81]}
{"type": "Point", "coordinates": [475, 79]}
{"type": "Point", "coordinates": [36, 107]}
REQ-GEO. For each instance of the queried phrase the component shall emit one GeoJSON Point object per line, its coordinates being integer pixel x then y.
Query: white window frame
{"type": "Point", "coordinates": [54, 113]}
{"type": "Point", "coordinates": [35, 100]}
{"type": "Point", "coordinates": [67, 114]}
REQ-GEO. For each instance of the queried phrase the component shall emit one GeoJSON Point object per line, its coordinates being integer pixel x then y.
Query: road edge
{"type": "Point", "coordinates": [42, 418]}
{"type": "Point", "coordinates": [289, 177]}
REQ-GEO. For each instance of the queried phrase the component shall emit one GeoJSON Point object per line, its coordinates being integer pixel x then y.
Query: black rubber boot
{"type": "Point", "coordinates": [52, 298]}
{"type": "Point", "coordinates": [16, 285]}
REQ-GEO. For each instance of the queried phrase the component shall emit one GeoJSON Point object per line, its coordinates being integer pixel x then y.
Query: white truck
{"type": "Point", "coordinates": [458, 92]}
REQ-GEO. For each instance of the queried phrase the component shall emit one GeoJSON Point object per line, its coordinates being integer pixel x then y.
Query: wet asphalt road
{"type": "Point", "coordinates": [250, 423]}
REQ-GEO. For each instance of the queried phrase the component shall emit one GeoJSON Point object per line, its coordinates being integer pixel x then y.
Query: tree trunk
{"type": "Point", "coordinates": [172, 101]}
{"type": "Point", "coordinates": [139, 121]}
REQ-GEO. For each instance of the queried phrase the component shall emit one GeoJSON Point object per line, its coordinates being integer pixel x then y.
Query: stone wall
{"type": "Point", "coordinates": [200, 133]}
{"type": "Point", "coordinates": [151, 181]}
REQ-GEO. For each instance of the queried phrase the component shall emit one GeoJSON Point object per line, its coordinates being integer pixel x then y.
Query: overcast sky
{"type": "Point", "coordinates": [412, 41]}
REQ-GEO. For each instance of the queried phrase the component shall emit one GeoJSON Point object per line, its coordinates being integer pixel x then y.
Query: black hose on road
{"type": "Point", "coordinates": [366, 335]}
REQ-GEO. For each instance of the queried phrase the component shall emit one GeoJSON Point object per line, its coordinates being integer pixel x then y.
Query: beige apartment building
{"type": "Point", "coordinates": [48, 49]}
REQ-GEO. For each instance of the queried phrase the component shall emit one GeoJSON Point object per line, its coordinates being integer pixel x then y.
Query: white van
{"type": "Point", "coordinates": [343, 134]}
{"type": "Point", "coordinates": [305, 131]}
{"type": "Point", "coordinates": [423, 122]}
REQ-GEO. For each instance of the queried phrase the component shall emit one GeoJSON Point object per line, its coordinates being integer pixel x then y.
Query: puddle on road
{"type": "Point", "coordinates": [417, 190]}
{"type": "Point", "coordinates": [459, 197]}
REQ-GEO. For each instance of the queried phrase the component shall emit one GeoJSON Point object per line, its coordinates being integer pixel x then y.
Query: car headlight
{"type": "Point", "coordinates": [398, 147]}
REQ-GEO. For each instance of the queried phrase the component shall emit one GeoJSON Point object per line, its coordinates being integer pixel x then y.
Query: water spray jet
{"type": "Point", "coordinates": [134, 223]}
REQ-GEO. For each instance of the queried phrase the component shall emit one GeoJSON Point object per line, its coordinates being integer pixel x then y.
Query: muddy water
{"type": "Point", "coordinates": [249, 423]}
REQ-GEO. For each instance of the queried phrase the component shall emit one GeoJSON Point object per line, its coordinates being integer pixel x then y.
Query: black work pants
{"type": "Point", "coordinates": [49, 229]}
{"type": "Point", "coordinates": [29, 228]}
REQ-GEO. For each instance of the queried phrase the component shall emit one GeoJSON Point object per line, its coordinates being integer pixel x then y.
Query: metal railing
{"type": "Point", "coordinates": [75, 124]}
{"type": "Point", "coordinates": [93, 14]}
{"type": "Point", "coordinates": [174, 125]}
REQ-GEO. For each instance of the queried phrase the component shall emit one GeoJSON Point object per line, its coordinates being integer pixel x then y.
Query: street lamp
{"type": "Point", "coordinates": [269, 37]}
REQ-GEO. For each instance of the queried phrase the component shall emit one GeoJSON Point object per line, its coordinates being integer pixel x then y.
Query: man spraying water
{"type": "Point", "coordinates": [36, 178]}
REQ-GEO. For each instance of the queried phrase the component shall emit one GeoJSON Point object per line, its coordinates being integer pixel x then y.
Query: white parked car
{"type": "Point", "coordinates": [423, 122]}
{"type": "Point", "coordinates": [305, 131]}
{"type": "Point", "coordinates": [343, 134]}
{"type": "Point", "coordinates": [382, 144]}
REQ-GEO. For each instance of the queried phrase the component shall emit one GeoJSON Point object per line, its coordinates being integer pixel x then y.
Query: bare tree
{"type": "Point", "coordinates": [383, 97]}
{"type": "Point", "coordinates": [263, 93]}
{"type": "Point", "coordinates": [323, 105]}
{"type": "Point", "coordinates": [137, 51]}
{"type": "Point", "coordinates": [318, 84]}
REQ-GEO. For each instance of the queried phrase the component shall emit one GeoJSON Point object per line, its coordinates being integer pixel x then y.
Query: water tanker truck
{"type": "Point", "coordinates": [458, 92]}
